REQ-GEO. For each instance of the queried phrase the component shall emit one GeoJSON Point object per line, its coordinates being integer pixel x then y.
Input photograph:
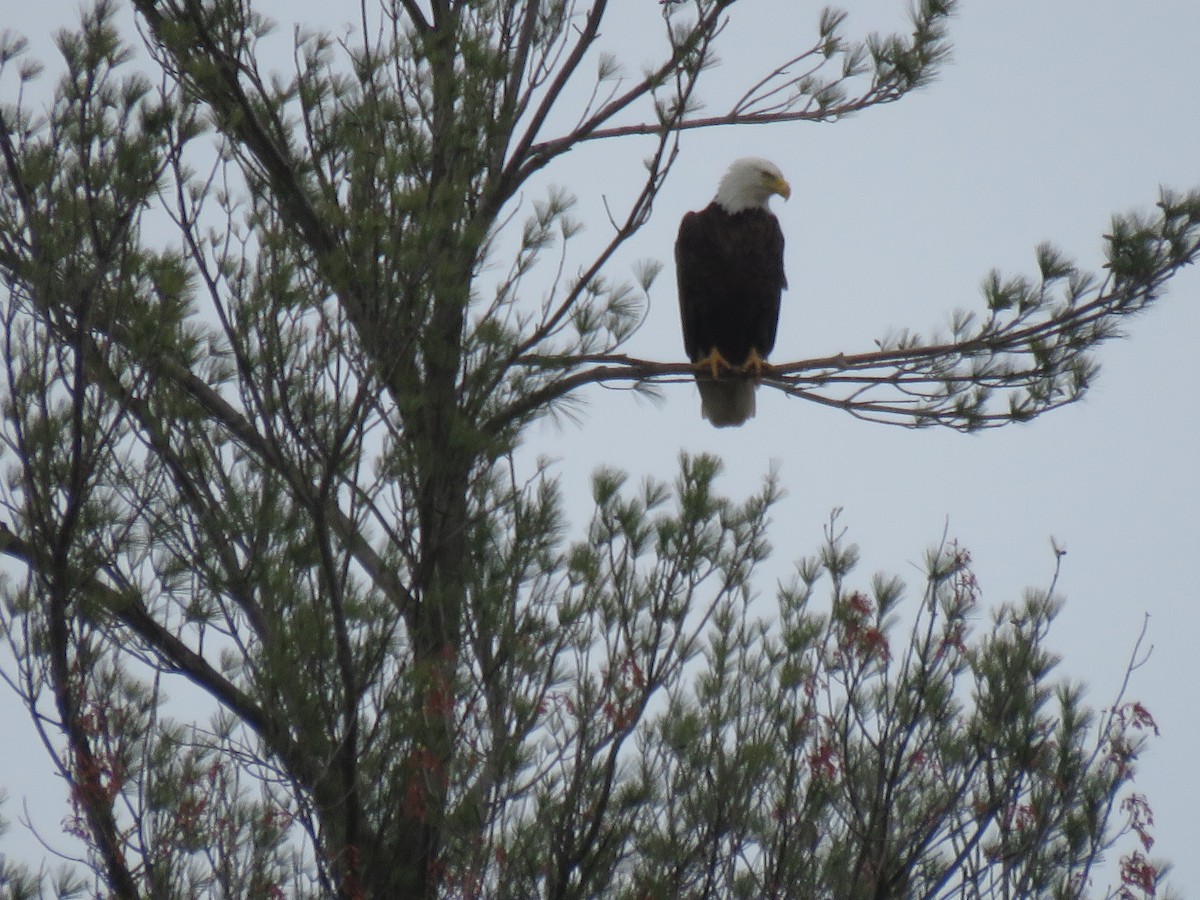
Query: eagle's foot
{"type": "Point", "coordinates": [757, 366]}
{"type": "Point", "coordinates": [713, 364]}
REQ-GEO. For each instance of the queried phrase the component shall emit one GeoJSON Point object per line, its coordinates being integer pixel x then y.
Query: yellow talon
{"type": "Point", "coordinates": [757, 365]}
{"type": "Point", "coordinates": [714, 362]}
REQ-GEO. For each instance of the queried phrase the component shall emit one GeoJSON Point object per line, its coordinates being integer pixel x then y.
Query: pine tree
{"type": "Point", "coordinates": [262, 430]}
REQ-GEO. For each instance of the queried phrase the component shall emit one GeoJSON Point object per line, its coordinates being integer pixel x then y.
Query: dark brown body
{"type": "Point", "coordinates": [730, 270]}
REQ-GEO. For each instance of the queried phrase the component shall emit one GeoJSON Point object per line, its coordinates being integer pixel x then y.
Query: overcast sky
{"type": "Point", "coordinates": [1052, 117]}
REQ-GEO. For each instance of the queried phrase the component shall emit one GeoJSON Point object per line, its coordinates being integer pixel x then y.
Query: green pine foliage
{"type": "Point", "coordinates": [262, 428]}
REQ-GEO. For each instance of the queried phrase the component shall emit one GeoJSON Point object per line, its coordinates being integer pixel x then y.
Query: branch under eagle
{"type": "Point", "coordinates": [1028, 352]}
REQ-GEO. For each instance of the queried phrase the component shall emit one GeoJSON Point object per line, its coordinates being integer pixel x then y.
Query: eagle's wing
{"type": "Point", "coordinates": [702, 260]}
{"type": "Point", "coordinates": [771, 282]}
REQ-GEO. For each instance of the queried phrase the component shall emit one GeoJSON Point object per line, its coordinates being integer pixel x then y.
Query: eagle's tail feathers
{"type": "Point", "coordinates": [727, 403]}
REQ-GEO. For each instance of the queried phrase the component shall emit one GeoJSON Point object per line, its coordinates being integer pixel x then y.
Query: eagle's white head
{"type": "Point", "coordinates": [749, 183]}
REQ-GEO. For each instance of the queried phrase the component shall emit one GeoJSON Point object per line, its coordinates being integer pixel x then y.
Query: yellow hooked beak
{"type": "Point", "coordinates": [780, 187]}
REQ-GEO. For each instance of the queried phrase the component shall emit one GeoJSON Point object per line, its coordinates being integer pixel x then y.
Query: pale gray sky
{"type": "Point", "coordinates": [1052, 117]}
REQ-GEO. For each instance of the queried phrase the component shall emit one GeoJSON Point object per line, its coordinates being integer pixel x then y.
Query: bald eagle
{"type": "Point", "coordinates": [729, 262]}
